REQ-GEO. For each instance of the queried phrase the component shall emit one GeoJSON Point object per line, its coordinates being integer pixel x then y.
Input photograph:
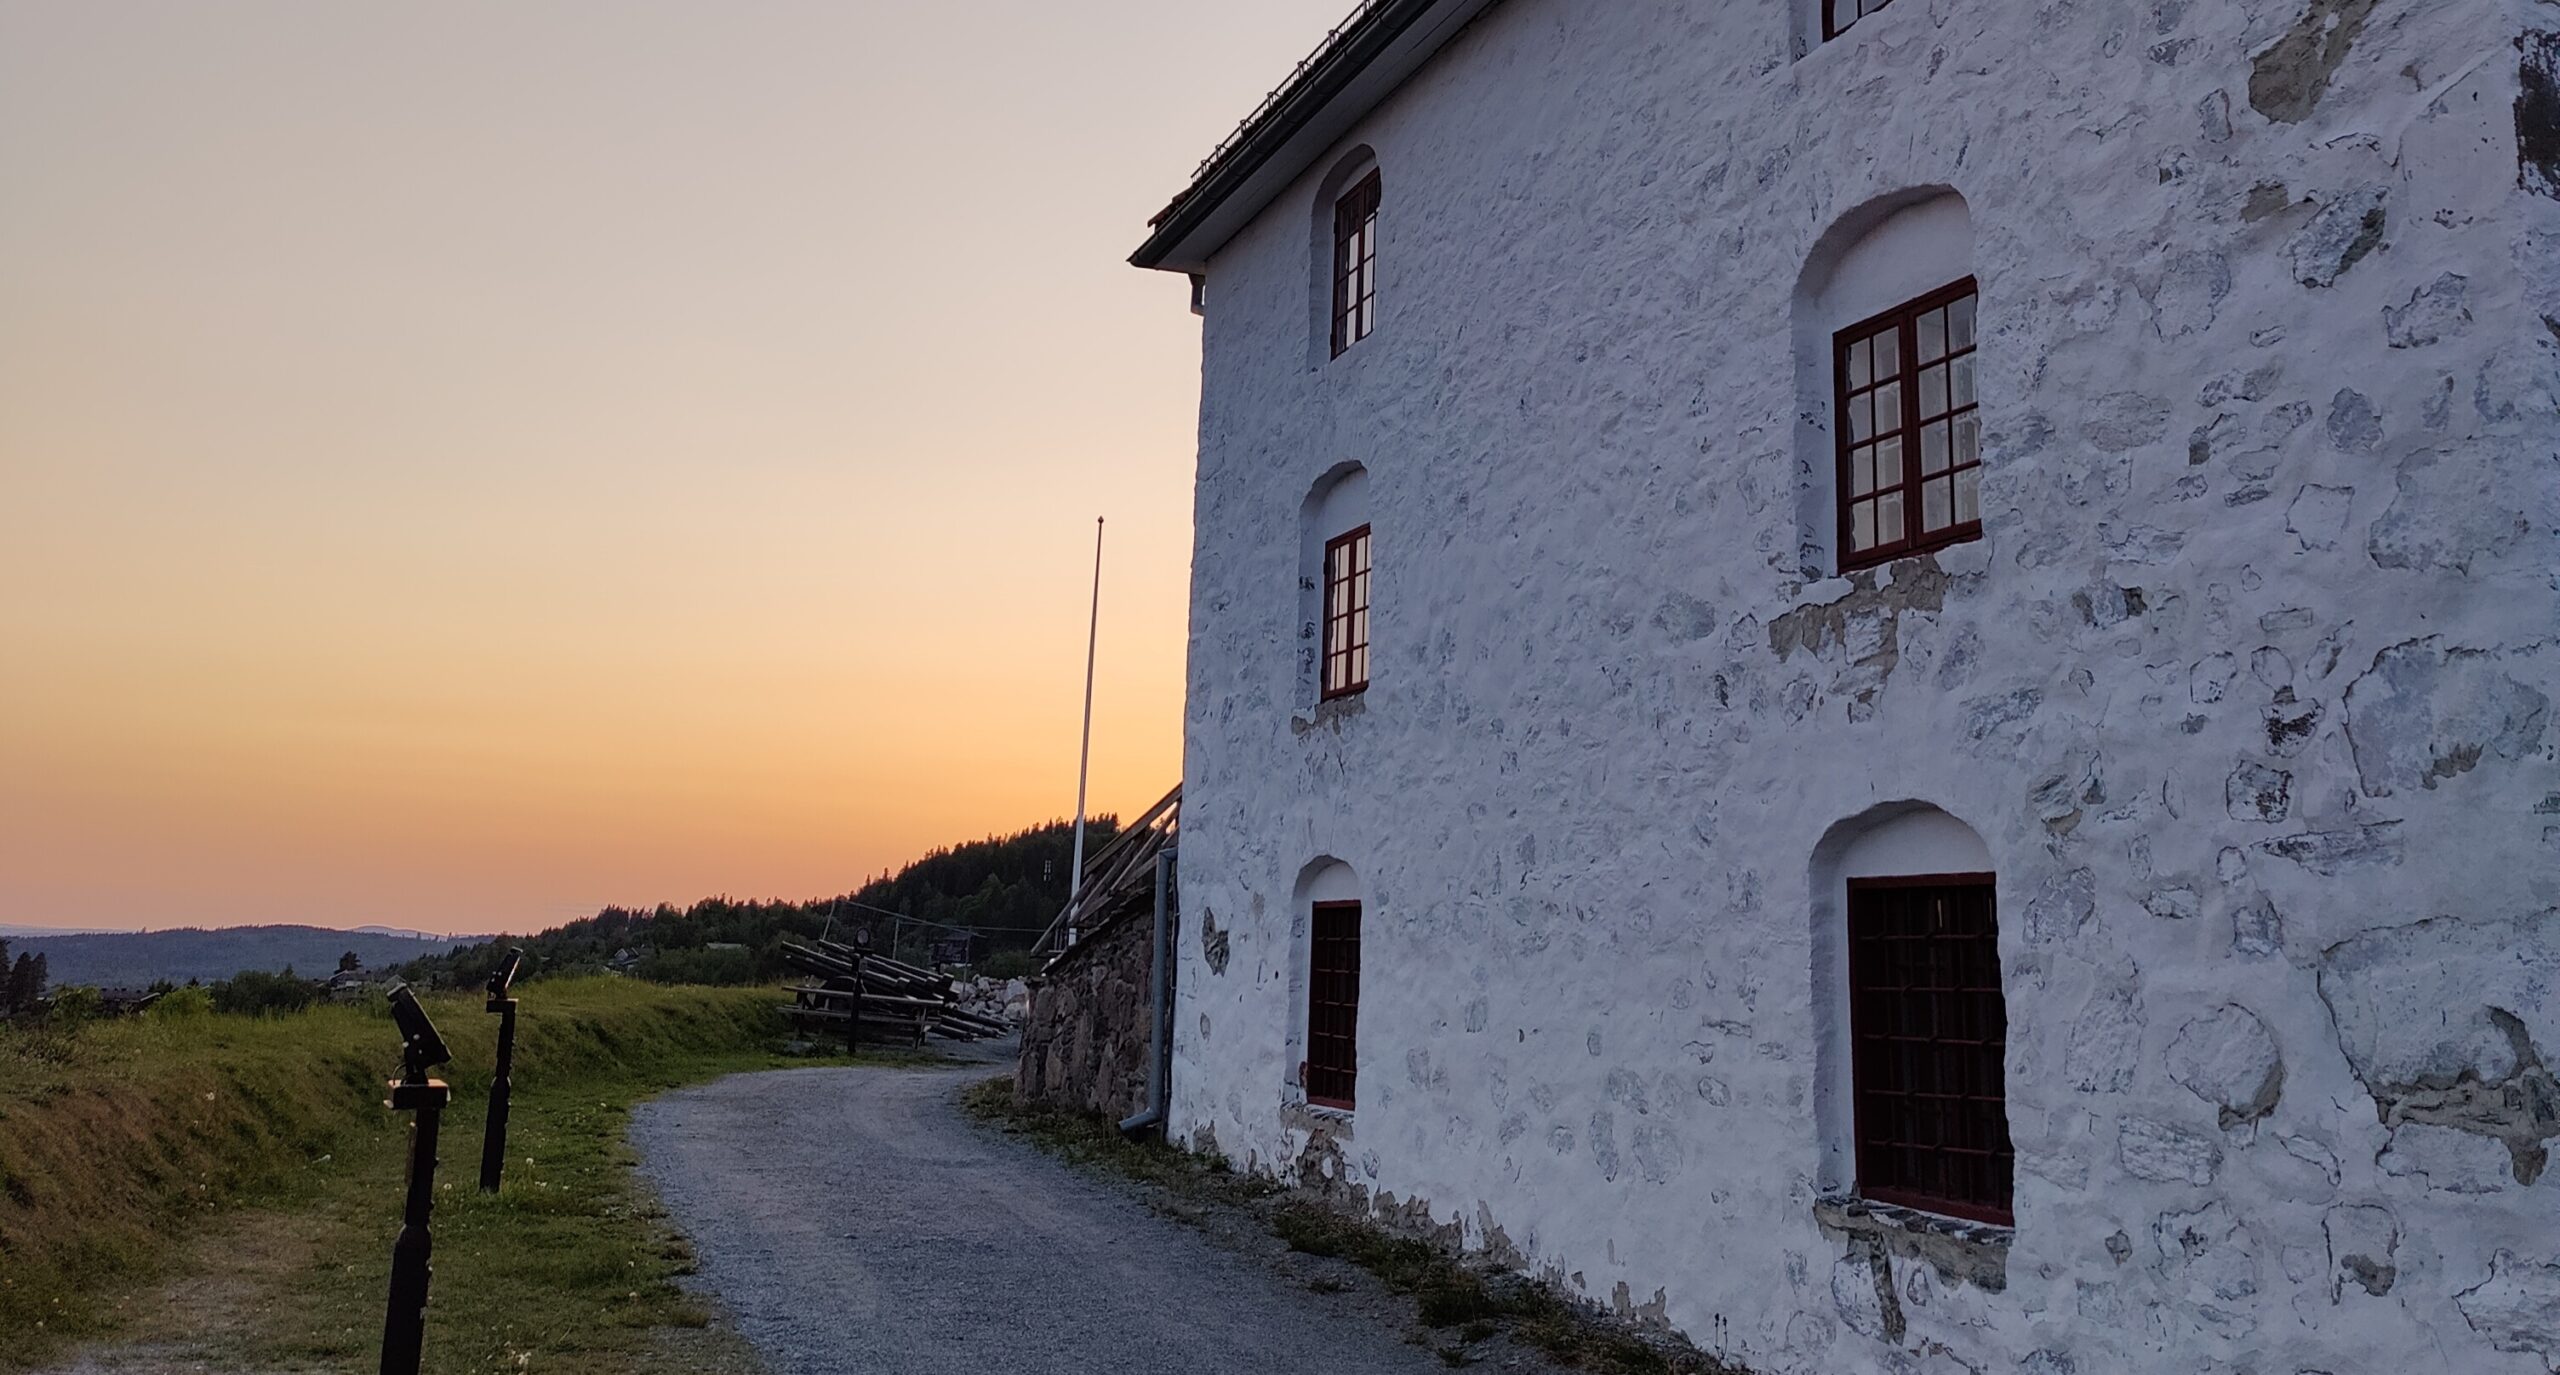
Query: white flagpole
{"type": "Point", "coordinates": [1084, 766]}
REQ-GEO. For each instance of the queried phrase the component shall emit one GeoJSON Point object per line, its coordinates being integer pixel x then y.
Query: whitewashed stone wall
{"type": "Point", "coordinates": [2247, 691]}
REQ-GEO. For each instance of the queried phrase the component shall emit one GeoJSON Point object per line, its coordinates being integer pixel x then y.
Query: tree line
{"type": "Point", "coordinates": [1000, 893]}
{"type": "Point", "coordinates": [21, 984]}
{"type": "Point", "coordinates": [1003, 890]}
{"type": "Point", "coordinates": [24, 989]}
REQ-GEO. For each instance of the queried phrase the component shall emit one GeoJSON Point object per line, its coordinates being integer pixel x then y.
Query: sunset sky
{"type": "Point", "coordinates": [465, 464]}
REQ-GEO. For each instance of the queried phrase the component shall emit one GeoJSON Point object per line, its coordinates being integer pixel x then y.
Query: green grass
{"type": "Point", "coordinates": [1449, 1292]}
{"type": "Point", "coordinates": [137, 1154]}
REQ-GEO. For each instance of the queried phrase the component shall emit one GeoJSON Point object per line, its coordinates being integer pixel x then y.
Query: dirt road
{"type": "Point", "coordinates": [853, 1221]}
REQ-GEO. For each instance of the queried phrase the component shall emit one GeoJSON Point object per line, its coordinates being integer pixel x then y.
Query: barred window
{"type": "Point", "coordinates": [1333, 1005]}
{"type": "Point", "coordinates": [1929, 1032]}
{"type": "Point", "coordinates": [1910, 430]}
{"type": "Point", "coordinates": [1838, 15]}
{"type": "Point", "coordinates": [1355, 264]}
{"type": "Point", "coordinates": [1346, 614]}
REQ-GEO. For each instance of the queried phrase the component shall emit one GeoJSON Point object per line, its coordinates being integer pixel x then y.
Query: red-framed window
{"type": "Point", "coordinates": [1333, 1005]}
{"type": "Point", "coordinates": [1355, 264]}
{"type": "Point", "coordinates": [1346, 614]}
{"type": "Point", "coordinates": [1910, 429]}
{"type": "Point", "coordinates": [1838, 15]}
{"type": "Point", "coordinates": [1929, 1031]}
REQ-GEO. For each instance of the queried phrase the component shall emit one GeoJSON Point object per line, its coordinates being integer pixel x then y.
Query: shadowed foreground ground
{"type": "Point", "coordinates": [855, 1220]}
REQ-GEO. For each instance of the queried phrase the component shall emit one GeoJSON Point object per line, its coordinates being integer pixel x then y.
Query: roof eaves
{"type": "Point", "coordinates": [1314, 93]}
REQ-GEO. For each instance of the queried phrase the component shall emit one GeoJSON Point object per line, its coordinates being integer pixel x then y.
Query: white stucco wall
{"type": "Point", "coordinates": [2246, 693]}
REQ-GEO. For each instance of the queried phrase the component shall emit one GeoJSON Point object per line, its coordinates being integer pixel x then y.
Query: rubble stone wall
{"type": "Point", "coordinates": [1085, 1042]}
{"type": "Point", "coordinates": [2247, 690]}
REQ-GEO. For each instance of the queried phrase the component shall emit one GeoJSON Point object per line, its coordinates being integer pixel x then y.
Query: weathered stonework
{"type": "Point", "coordinates": [2246, 690]}
{"type": "Point", "coordinates": [1086, 1040]}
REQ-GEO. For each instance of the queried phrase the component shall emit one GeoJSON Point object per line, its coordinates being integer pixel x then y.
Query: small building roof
{"type": "Point", "coordinates": [1361, 63]}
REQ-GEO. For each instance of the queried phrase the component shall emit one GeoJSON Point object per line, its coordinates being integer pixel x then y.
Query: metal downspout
{"type": "Point", "coordinates": [1160, 1050]}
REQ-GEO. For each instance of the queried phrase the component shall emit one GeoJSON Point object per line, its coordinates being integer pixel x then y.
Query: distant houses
{"type": "Point", "coordinates": [353, 985]}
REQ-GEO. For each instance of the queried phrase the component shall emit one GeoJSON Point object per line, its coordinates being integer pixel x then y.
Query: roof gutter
{"type": "Point", "coordinates": [1365, 62]}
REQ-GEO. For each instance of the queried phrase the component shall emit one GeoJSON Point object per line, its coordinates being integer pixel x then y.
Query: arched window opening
{"type": "Point", "coordinates": [1886, 332]}
{"type": "Point", "coordinates": [1334, 566]}
{"type": "Point", "coordinates": [1355, 264]}
{"type": "Point", "coordinates": [1329, 899]}
{"type": "Point", "coordinates": [1915, 1103]}
{"type": "Point", "coordinates": [1345, 253]}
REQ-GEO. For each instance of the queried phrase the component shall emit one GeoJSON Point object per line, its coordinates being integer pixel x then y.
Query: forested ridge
{"type": "Point", "coordinates": [1005, 889]}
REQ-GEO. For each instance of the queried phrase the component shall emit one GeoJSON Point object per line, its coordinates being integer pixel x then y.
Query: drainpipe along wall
{"type": "Point", "coordinates": [1159, 1019]}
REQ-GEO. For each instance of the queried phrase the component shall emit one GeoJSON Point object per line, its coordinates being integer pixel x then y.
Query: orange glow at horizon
{"type": "Point", "coordinates": [463, 467]}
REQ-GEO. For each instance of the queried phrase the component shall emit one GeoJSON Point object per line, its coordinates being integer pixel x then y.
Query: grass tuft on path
{"type": "Point", "coordinates": [1472, 1302]}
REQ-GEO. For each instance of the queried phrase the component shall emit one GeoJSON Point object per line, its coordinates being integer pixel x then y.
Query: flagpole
{"type": "Point", "coordinates": [1084, 766]}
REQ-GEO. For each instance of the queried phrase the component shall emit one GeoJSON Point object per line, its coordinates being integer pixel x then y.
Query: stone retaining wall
{"type": "Point", "coordinates": [1084, 1044]}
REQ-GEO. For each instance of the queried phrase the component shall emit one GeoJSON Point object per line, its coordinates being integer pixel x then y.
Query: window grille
{"type": "Point", "coordinates": [1910, 429]}
{"type": "Point", "coordinates": [1355, 264]}
{"type": "Point", "coordinates": [1346, 615]}
{"type": "Point", "coordinates": [1333, 1005]}
{"type": "Point", "coordinates": [1838, 15]}
{"type": "Point", "coordinates": [1929, 1031]}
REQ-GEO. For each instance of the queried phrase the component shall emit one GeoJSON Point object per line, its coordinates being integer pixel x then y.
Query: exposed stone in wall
{"type": "Point", "coordinates": [1959, 1253]}
{"type": "Point", "coordinates": [2207, 1259]}
{"type": "Point", "coordinates": [2437, 311]}
{"type": "Point", "coordinates": [2449, 513]}
{"type": "Point", "coordinates": [2332, 853]}
{"type": "Point", "coordinates": [2229, 1059]}
{"type": "Point", "coordinates": [2478, 1066]}
{"type": "Point", "coordinates": [2517, 1307]}
{"type": "Point", "coordinates": [1086, 1041]}
{"type": "Point", "coordinates": [2347, 228]}
{"type": "Point", "coordinates": [2287, 80]}
{"type": "Point", "coordinates": [2426, 712]}
{"type": "Point", "coordinates": [2364, 1246]}
{"type": "Point", "coordinates": [1214, 946]}
{"type": "Point", "coordinates": [2106, 1043]}
{"type": "Point", "coordinates": [2158, 1151]}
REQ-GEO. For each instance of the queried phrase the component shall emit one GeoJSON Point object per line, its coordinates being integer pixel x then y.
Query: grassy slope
{"type": "Point", "coordinates": [117, 1145]}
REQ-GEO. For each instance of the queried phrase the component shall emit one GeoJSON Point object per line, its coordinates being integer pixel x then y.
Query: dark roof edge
{"type": "Point", "coordinates": [1275, 143]}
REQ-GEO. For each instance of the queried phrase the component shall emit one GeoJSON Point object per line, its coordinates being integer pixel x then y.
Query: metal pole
{"type": "Point", "coordinates": [404, 1319]}
{"type": "Point", "coordinates": [1159, 1006]}
{"type": "Point", "coordinates": [1084, 765]}
{"type": "Point", "coordinates": [493, 1140]}
{"type": "Point", "coordinates": [404, 1326]}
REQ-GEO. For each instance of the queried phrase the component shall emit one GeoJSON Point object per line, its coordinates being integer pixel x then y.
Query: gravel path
{"type": "Point", "coordinates": [854, 1221]}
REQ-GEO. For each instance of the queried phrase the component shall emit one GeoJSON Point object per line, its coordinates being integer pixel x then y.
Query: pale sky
{"type": "Point", "coordinates": [465, 464]}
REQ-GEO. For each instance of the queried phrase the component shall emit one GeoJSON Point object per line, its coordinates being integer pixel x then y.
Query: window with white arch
{"type": "Point", "coordinates": [1889, 360]}
{"type": "Point", "coordinates": [1335, 568]}
{"type": "Point", "coordinates": [1325, 1023]}
{"type": "Point", "coordinates": [1913, 1095]}
{"type": "Point", "coordinates": [1344, 249]}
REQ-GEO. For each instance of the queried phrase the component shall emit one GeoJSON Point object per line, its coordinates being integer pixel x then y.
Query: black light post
{"type": "Point", "coordinates": [404, 1323]}
{"type": "Point", "coordinates": [493, 1141]}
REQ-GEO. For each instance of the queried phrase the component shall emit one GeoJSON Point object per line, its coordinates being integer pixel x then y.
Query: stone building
{"type": "Point", "coordinates": [1880, 684]}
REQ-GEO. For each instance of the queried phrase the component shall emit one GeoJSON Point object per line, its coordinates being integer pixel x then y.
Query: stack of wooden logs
{"type": "Point", "coordinates": [898, 1001]}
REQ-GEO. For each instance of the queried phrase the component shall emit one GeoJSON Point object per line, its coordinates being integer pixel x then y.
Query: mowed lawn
{"type": "Point", "coordinates": [225, 1190]}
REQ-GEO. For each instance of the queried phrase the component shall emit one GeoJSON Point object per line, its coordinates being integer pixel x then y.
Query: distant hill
{"type": "Point", "coordinates": [134, 959]}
